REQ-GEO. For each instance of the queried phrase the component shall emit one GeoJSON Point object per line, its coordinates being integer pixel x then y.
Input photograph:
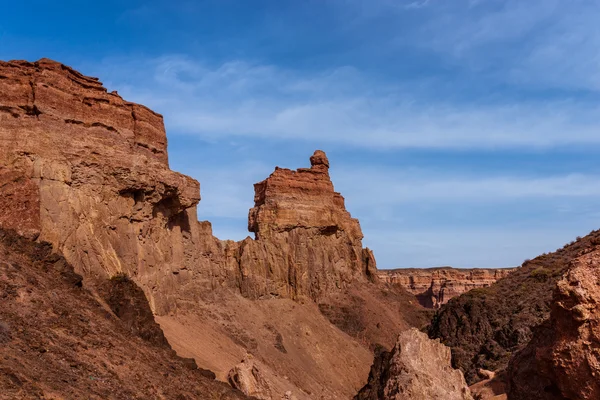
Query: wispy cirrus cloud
{"type": "Point", "coordinates": [539, 43]}
{"type": "Point", "coordinates": [399, 186]}
{"type": "Point", "coordinates": [340, 106]}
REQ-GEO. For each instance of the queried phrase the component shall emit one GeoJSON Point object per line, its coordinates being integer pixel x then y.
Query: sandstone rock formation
{"type": "Point", "coordinates": [418, 368]}
{"type": "Point", "coordinates": [433, 287]}
{"type": "Point", "coordinates": [93, 176]}
{"type": "Point", "coordinates": [562, 361]}
{"type": "Point", "coordinates": [306, 242]}
{"type": "Point", "coordinates": [485, 327]}
{"type": "Point", "coordinates": [88, 172]}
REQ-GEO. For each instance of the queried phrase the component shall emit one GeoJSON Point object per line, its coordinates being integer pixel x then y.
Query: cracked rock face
{"type": "Point", "coordinates": [417, 368]}
{"type": "Point", "coordinates": [562, 361]}
{"type": "Point", "coordinates": [88, 172]}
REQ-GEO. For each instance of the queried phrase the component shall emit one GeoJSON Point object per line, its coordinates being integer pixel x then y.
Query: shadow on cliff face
{"type": "Point", "coordinates": [128, 302]}
{"type": "Point", "coordinates": [484, 327]}
{"type": "Point", "coordinates": [58, 340]}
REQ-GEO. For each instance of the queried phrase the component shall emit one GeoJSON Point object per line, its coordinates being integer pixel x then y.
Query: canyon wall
{"type": "Point", "coordinates": [486, 327]}
{"type": "Point", "coordinates": [562, 360]}
{"type": "Point", "coordinates": [88, 172]}
{"type": "Point", "coordinates": [93, 171]}
{"type": "Point", "coordinates": [433, 287]}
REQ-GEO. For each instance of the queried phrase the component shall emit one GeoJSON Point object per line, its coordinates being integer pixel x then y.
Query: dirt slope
{"type": "Point", "coordinates": [57, 341]}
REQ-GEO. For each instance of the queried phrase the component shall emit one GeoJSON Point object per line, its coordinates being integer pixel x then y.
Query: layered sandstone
{"type": "Point", "coordinates": [306, 244]}
{"type": "Point", "coordinates": [417, 368]}
{"type": "Point", "coordinates": [562, 361]}
{"type": "Point", "coordinates": [433, 287]}
{"type": "Point", "coordinates": [88, 172]}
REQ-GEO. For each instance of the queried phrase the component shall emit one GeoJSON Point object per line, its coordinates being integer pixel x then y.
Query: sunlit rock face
{"type": "Point", "coordinates": [433, 287]}
{"type": "Point", "coordinates": [562, 361]}
{"type": "Point", "coordinates": [417, 368]}
{"type": "Point", "coordinates": [95, 176]}
{"type": "Point", "coordinates": [306, 242]}
{"type": "Point", "coordinates": [88, 172]}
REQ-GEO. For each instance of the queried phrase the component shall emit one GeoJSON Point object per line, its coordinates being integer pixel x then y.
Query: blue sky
{"type": "Point", "coordinates": [461, 133]}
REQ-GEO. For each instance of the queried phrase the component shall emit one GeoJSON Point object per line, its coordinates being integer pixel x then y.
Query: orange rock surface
{"type": "Point", "coordinates": [417, 368]}
{"type": "Point", "coordinates": [562, 360]}
{"type": "Point", "coordinates": [433, 287]}
{"type": "Point", "coordinates": [88, 172]}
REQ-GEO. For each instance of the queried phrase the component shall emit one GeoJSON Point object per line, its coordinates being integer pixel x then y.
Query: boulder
{"type": "Point", "coordinates": [417, 368]}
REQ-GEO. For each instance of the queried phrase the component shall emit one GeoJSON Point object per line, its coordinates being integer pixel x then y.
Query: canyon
{"type": "Point", "coordinates": [87, 172]}
{"type": "Point", "coordinates": [434, 287]}
{"type": "Point", "coordinates": [491, 328]}
{"type": "Point", "coordinates": [114, 289]}
{"type": "Point", "coordinates": [93, 180]}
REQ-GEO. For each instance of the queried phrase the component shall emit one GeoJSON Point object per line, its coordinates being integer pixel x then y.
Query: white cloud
{"type": "Point", "coordinates": [417, 4]}
{"type": "Point", "coordinates": [540, 43]}
{"type": "Point", "coordinates": [339, 106]}
{"type": "Point", "coordinates": [381, 186]}
{"type": "Point", "coordinates": [496, 247]}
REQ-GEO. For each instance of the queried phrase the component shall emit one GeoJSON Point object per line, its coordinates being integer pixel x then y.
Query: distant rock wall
{"type": "Point", "coordinates": [433, 287]}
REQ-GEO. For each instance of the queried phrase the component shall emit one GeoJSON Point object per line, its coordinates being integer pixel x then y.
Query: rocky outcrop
{"type": "Point", "coordinates": [247, 377]}
{"type": "Point", "coordinates": [417, 368]}
{"type": "Point", "coordinates": [433, 287]}
{"type": "Point", "coordinates": [306, 242]}
{"type": "Point", "coordinates": [88, 172]}
{"type": "Point", "coordinates": [562, 361]}
{"type": "Point", "coordinates": [485, 327]}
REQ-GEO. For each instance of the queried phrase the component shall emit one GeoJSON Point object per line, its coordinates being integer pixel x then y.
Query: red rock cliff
{"type": "Point", "coordinates": [88, 172]}
{"type": "Point", "coordinates": [306, 242]}
{"type": "Point", "coordinates": [433, 287]}
{"type": "Point", "coordinates": [562, 360]}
